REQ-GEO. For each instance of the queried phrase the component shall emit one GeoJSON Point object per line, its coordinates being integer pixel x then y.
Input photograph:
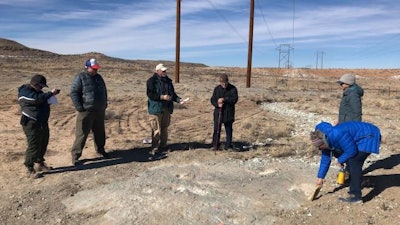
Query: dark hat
{"type": "Point", "coordinates": [39, 80]}
{"type": "Point", "coordinates": [223, 77]}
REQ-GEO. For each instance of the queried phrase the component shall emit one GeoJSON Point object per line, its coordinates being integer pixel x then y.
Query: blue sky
{"type": "Point", "coordinates": [319, 33]}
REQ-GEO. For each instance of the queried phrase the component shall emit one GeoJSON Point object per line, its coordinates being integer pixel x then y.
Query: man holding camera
{"type": "Point", "coordinates": [35, 109]}
{"type": "Point", "coordinates": [89, 96]}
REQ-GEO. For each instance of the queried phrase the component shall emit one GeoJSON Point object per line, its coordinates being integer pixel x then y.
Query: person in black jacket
{"type": "Point", "coordinates": [35, 111]}
{"type": "Point", "coordinates": [89, 96]}
{"type": "Point", "coordinates": [224, 98]}
{"type": "Point", "coordinates": [161, 97]}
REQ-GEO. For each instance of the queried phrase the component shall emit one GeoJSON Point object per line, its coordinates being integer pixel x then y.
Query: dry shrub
{"type": "Point", "coordinates": [281, 150]}
{"type": "Point", "coordinates": [282, 129]}
{"type": "Point", "coordinates": [385, 104]}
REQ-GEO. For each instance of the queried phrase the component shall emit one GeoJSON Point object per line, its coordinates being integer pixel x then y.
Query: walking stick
{"type": "Point", "coordinates": [217, 137]}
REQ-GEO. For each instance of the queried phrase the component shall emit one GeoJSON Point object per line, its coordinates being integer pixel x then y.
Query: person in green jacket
{"type": "Point", "coordinates": [350, 108]}
{"type": "Point", "coordinates": [161, 95]}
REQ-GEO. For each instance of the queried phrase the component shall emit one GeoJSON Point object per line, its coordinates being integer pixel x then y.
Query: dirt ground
{"type": "Point", "coordinates": [267, 180]}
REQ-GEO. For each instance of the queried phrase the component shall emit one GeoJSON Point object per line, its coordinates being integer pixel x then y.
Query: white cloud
{"type": "Point", "coordinates": [146, 28]}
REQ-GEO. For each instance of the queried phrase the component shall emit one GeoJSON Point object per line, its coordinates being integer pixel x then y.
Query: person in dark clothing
{"type": "Point", "coordinates": [89, 96]}
{"type": "Point", "coordinates": [160, 104]}
{"type": "Point", "coordinates": [35, 110]}
{"type": "Point", "coordinates": [224, 98]}
{"type": "Point", "coordinates": [350, 108]}
{"type": "Point", "coordinates": [351, 143]}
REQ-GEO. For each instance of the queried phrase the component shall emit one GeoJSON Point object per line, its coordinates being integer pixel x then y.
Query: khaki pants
{"type": "Point", "coordinates": [86, 122]}
{"type": "Point", "coordinates": [159, 128]}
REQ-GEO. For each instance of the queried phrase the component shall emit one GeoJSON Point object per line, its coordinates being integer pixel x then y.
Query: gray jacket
{"type": "Point", "coordinates": [89, 93]}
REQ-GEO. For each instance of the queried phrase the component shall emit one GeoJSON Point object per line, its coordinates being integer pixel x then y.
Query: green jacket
{"type": "Point", "coordinates": [157, 86]}
{"type": "Point", "coordinates": [351, 106]}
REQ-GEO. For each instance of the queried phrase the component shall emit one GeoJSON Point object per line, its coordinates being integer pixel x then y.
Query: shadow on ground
{"type": "Point", "coordinates": [135, 155]}
{"type": "Point", "coordinates": [378, 183]}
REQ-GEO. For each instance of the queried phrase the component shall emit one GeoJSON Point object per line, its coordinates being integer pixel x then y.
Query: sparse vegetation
{"type": "Point", "coordinates": [266, 183]}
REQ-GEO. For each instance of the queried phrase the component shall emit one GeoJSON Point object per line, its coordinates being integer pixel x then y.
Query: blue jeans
{"type": "Point", "coordinates": [355, 165]}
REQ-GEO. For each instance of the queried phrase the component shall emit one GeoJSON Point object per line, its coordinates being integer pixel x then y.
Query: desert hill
{"type": "Point", "coordinates": [265, 181]}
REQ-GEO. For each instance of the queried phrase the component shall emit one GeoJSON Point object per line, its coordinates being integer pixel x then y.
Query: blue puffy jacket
{"type": "Point", "coordinates": [347, 139]}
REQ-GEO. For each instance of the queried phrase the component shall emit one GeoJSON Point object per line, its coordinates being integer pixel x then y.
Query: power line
{"type": "Point", "coordinates": [269, 31]}
{"type": "Point", "coordinates": [294, 12]}
{"type": "Point", "coordinates": [226, 20]}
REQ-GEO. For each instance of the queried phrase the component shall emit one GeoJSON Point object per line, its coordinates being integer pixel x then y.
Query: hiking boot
{"type": "Point", "coordinates": [154, 151]}
{"type": "Point", "coordinates": [75, 160]}
{"type": "Point", "coordinates": [351, 199]}
{"type": "Point", "coordinates": [42, 167]}
{"type": "Point", "coordinates": [104, 154]}
{"type": "Point", "coordinates": [31, 173]}
{"type": "Point", "coordinates": [229, 148]}
{"type": "Point", "coordinates": [163, 149]}
{"type": "Point", "coordinates": [215, 148]}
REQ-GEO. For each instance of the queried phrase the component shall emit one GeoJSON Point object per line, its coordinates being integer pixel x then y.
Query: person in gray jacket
{"type": "Point", "coordinates": [89, 96]}
{"type": "Point", "coordinates": [350, 108]}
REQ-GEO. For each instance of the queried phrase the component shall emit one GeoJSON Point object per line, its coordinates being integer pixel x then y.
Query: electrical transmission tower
{"type": "Point", "coordinates": [284, 55]}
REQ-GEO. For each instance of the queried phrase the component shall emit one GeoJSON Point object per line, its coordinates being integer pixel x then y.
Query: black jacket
{"type": "Point", "coordinates": [230, 96]}
{"type": "Point", "coordinates": [89, 93]}
{"type": "Point", "coordinates": [34, 103]}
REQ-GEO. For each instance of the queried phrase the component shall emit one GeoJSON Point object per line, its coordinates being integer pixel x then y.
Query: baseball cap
{"type": "Point", "coordinates": [92, 63]}
{"type": "Point", "coordinates": [39, 80]}
{"type": "Point", "coordinates": [161, 67]}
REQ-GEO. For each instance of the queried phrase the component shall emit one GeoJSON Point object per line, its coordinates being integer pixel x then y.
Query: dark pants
{"type": "Point", "coordinates": [86, 122]}
{"type": "Point", "coordinates": [37, 135]}
{"type": "Point", "coordinates": [355, 165]}
{"type": "Point", "coordinates": [217, 133]}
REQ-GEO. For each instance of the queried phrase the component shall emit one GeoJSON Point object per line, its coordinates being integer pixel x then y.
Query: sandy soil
{"type": "Point", "coordinates": [266, 183]}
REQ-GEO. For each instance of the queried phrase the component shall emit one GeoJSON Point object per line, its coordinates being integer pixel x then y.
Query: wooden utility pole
{"type": "Point", "coordinates": [178, 37]}
{"type": "Point", "coordinates": [250, 50]}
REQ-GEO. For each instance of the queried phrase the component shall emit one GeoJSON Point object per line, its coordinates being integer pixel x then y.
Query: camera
{"type": "Point", "coordinates": [57, 91]}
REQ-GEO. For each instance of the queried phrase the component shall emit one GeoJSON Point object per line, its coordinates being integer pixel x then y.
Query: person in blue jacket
{"type": "Point", "coordinates": [351, 143]}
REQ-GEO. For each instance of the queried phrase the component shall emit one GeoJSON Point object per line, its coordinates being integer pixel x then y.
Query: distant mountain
{"type": "Point", "coordinates": [13, 53]}
{"type": "Point", "coordinates": [9, 48]}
